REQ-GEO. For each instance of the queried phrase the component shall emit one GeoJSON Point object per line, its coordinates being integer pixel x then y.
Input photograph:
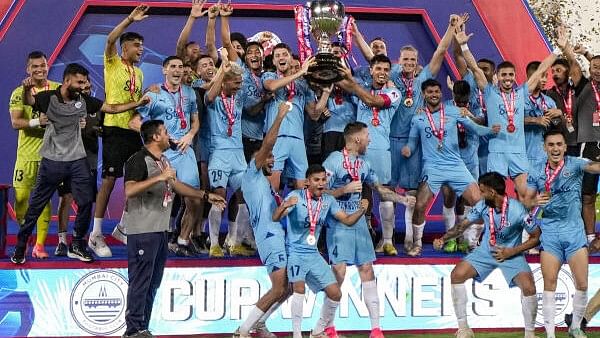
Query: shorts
{"type": "Point", "coordinates": [118, 145]}
{"type": "Point", "coordinates": [272, 253]}
{"type": "Point", "coordinates": [25, 173]}
{"type": "Point", "coordinates": [484, 263]}
{"type": "Point", "coordinates": [331, 141]}
{"type": "Point", "coordinates": [458, 178]}
{"type": "Point", "coordinates": [563, 245]}
{"type": "Point", "coordinates": [508, 164]}
{"type": "Point", "coordinates": [406, 172]}
{"type": "Point", "coordinates": [350, 245]}
{"type": "Point", "coordinates": [186, 166]}
{"type": "Point", "coordinates": [310, 268]}
{"type": "Point", "coordinates": [251, 146]}
{"type": "Point", "coordinates": [471, 162]}
{"type": "Point", "coordinates": [381, 163]}
{"type": "Point", "coordinates": [226, 168]}
{"type": "Point", "coordinates": [589, 185]}
{"type": "Point", "coordinates": [290, 152]}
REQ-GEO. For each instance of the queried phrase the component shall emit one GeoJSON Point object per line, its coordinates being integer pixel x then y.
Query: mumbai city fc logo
{"type": "Point", "coordinates": [98, 302]}
{"type": "Point", "coordinates": [565, 288]}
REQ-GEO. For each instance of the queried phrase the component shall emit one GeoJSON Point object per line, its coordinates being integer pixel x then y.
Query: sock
{"type": "Point", "coordinates": [232, 234]}
{"type": "Point", "coordinates": [418, 233]}
{"type": "Point", "coordinates": [549, 310]}
{"type": "Point", "coordinates": [243, 223]}
{"type": "Point", "coordinates": [254, 315]}
{"type": "Point", "coordinates": [182, 241]}
{"type": "Point", "coordinates": [590, 238]}
{"type": "Point", "coordinates": [529, 309]}
{"type": "Point", "coordinates": [459, 300]}
{"type": "Point", "coordinates": [62, 237]}
{"type": "Point", "coordinates": [592, 307]}
{"type": "Point", "coordinates": [371, 298]}
{"type": "Point", "coordinates": [269, 312]}
{"type": "Point", "coordinates": [449, 217]}
{"type": "Point", "coordinates": [579, 302]}
{"type": "Point", "coordinates": [214, 225]}
{"type": "Point", "coordinates": [97, 230]}
{"type": "Point", "coordinates": [408, 237]}
{"type": "Point", "coordinates": [327, 313]}
{"type": "Point", "coordinates": [386, 211]}
{"type": "Point", "coordinates": [297, 304]}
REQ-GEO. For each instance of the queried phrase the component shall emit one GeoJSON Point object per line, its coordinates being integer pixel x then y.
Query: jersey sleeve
{"type": "Point", "coordinates": [532, 180]}
{"type": "Point", "coordinates": [193, 101]}
{"type": "Point", "coordinates": [16, 100]}
{"type": "Point", "coordinates": [581, 163]}
{"type": "Point", "coordinates": [334, 207]}
{"type": "Point", "coordinates": [92, 104]}
{"type": "Point", "coordinates": [392, 98]}
{"type": "Point", "coordinates": [146, 110]}
{"type": "Point", "coordinates": [476, 213]}
{"type": "Point", "coordinates": [371, 177]}
{"type": "Point", "coordinates": [550, 102]}
{"type": "Point", "coordinates": [290, 195]}
{"type": "Point", "coordinates": [330, 170]}
{"type": "Point", "coordinates": [135, 168]}
{"type": "Point", "coordinates": [267, 76]}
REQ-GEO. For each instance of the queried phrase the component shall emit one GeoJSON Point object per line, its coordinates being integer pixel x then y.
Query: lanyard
{"type": "Point", "coordinates": [510, 110]}
{"type": "Point", "coordinates": [375, 121]}
{"type": "Point", "coordinates": [352, 169]}
{"type": "Point", "coordinates": [542, 105]}
{"type": "Point", "coordinates": [550, 178]}
{"type": "Point", "coordinates": [502, 220]}
{"type": "Point", "coordinates": [434, 130]}
{"type": "Point", "coordinates": [178, 105]}
{"type": "Point", "coordinates": [313, 218]}
{"type": "Point", "coordinates": [229, 105]}
{"type": "Point", "coordinates": [132, 78]}
{"type": "Point", "coordinates": [168, 194]}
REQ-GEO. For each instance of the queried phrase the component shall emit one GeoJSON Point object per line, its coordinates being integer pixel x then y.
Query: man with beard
{"type": "Point", "coordinates": [63, 158]}
{"type": "Point", "coordinates": [501, 248]}
{"type": "Point", "coordinates": [307, 210]}
{"type": "Point", "coordinates": [347, 170]}
{"type": "Point", "coordinates": [123, 83]}
{"type": "Point", "coordinates": [270, 236]}
{"type": "Point", "coordinates": [555, 185]}
{"type": "Point", "coordinates": [435, 127]}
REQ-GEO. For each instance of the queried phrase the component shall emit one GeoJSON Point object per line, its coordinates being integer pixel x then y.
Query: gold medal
{"type": "Point", "coordinates": [408, 102]}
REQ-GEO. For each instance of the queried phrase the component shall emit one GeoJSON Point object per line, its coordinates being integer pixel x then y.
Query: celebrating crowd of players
{"type": "Point", "coordinates": [251, 126]}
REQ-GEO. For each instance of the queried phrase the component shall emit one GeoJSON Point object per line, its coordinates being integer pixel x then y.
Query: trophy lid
{"type": "Point", "coordinates": [333, 9]}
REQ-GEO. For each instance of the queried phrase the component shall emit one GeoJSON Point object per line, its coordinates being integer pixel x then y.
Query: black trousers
{"type": "Point", "coordinates": [146, 258]}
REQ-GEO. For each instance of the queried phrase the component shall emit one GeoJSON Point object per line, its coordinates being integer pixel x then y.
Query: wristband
{"type": "Point", "coordinates": [464, 47]}
{"type": "Point", "coordinates": [34, 123]}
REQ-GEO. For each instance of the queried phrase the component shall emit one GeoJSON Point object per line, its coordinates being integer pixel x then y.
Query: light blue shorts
{"type": "Point", "coordinates": [310, 268]}
{"type": "Point", "coordinates": [226, 168]}
{"type": "Point", "coordinates": [406, 172]}
{"type": "Point", "coordinates": [185, 165]}
{"type": "Point", "coordinates": [563, 245]}
{"type": "Point", "coordinates": [471, 162]}
{"type": "Point", "coordinates": [508, 164]}
{"type": "Point", "coordinates": [290, 153]}
{"type": "Point", "coordinates": [484, 263]}
{"type": "Point", "coordinates": [458, 178]}
{"type": "Point", "coordinates": [272, 253]}
{"type": "Point", "coordinates": [350, 245]}
{"type": "Point", "coordinates": [381, 163]}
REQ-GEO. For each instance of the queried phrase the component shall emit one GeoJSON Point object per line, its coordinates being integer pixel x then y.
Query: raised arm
{"type": "Point", "coordinates": [575, 72]}
{"type": "Point", "coordinates": [272, 85]}
{"type": "Point", "coordinates": [284, 208]}
{"type": "Point", "coordinates": [364, 47]}
{"type": "Point", "coordinates": [195, 13]}
{"type": "Point", "coordinates": [108, 108]}
{"type": "Point", "coordinates": [211, 40]}
{"type": "Point", "coordinates": [438, 56]}
{"type": "Point", "coordinates": [225, 11]}
{"type": "Point", "coordinates": [351, 86]}
{"type": "Point", "coordinates": [268, 143]}
{"type": "Point", "coordinates": [462, 40]}
{"type": "Point", "coordinates": [535, 78]}
{"type": "Point", "coordinates": [217, 82]}
{"type": "Point", "coordinates": [138, 14]}
{"type": "Point", "coordinates": [352, 218]}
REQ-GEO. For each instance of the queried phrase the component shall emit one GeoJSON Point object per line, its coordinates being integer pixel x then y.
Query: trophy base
{"type": "Point", "coordinates": [327, 69]}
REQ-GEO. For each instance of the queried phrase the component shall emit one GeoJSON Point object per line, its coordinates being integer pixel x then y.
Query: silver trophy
{"type": "Point", "coordinates": [326, 18]}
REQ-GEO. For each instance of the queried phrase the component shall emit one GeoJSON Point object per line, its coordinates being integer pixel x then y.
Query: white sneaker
{"type": "Point", "coordinates": [120, 233]}
{"type": "Point", "coordinates": [98, 245]}
{"type": "Point", "coordinates": [260, 330]}
{"type": "Point", "coordinates": [465, 333]}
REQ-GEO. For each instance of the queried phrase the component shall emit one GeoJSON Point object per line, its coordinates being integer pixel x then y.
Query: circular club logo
{"type": "Point", "coordinates": [98, 302]}
{"type": "Point", "coordinates": [563, 296]}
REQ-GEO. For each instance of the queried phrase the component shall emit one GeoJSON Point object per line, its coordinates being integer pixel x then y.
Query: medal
{"type": "Point", "coordinates": [408, 102]}
{"type": "Point", "coordinates": [570, 127]}
{"type": "Point", "coordinates": [439, 134]}
{"type": "Point", "coordinates": [229, 105]}
{"type": "Point", "coordinates": [510, 110]}
{"type": "Point", "coordinates": [408, 84]}
{"type": "Point", "coordinates": [440, 146]}
{"type": "Point", "coordinates": [510, 128]}
{"type": "Point", "coordinates": [178, 102]}
{"type": "Point", "coordinates": [596, 115]}
{"type": "Point", "coordinates": [550, 178]}
{"type": "Point", "coordinates": [502, 220]}
{"type": "Point", "coordinates": [312, 218]}
{"type": "Point", "coordinates": [375, 122]}
{"type": "Point", "coordinates": [289, 104]}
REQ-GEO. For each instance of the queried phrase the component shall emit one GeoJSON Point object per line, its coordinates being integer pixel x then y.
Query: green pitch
{"type": "Point", "coordinates": [515, 334]}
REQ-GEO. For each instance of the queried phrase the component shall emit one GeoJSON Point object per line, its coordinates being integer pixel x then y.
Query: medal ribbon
{"type": "Point", "coordinates": [597, 97]}
{"type": "Point", "coordinates": [502, 220]}
{"type": "Point", "coordinates": [313, 218]}
{"type": "Point", "coordinates": [132, 78]}
{"type": "Point", "coordinates": [46, 87]}
{"type": "Point", "coordinates": [550, 178]}
{"type": "Point", "coordinates": [567, 102]}
{"type": "Point", "coordinates": [542, 106]}
{"type": "Point", "coordinates": [301, 18]}
{"type": "Point", "coordinates": [178, 105]}
{"type": "Point", "coordinates": [352, 169]}
{"type": "Point", "coordinates": [481, 101]}
{"type": "Point", "coordinates": [168, 194]}
{"type": "Point", "coordinates": [510, 106]}
{"type": "Point", "coordinates": [437, 133]}
{"type": "Point", "coordinates": [229, 105]}
{"type": "Point", "coordinates": [408, 84]}
{"type": "Point", "coordinates": [375, 110]}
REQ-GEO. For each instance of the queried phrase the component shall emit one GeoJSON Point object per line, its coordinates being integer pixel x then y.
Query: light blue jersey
{"type": "Point", "coordinates": [343, 111]}
{"type": "Point", "coordinates": [379, 134]}
{"type": "Point", "coordinates": [252, 126]}
{"type": "Point", "coordinates": [468, 151]}
{"type": "Point", "coordinates": [298, 224]}
{"type": "Point", "coordinates": [534, 134]}
{"type": "Point", "coordinates": [563, 211]}
{"type": "Point", "coordinates": [401, 122]}
{"type": "Point", "coordinates": [292, 124]}
{"type": "Point", "coordinates": [163, 106]}
{"type": "Point", "coordinates": [219, 122]}
{"type": "Point", "coordinates": [496, 113]}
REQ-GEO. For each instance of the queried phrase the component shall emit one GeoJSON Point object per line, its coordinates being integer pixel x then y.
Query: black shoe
{"type": "Point", "coordinates": [61, 250]}
{"type": "Point", "coordinates": [18, 257]}
{"type": "Point", "coordinates": [184, 251]}
{"type": "Point", "coordinates": [78, 250]}
{"type": "Point", "coordinates": [139, 334]}
{"type": "Point", "coordinates": [198, 245]}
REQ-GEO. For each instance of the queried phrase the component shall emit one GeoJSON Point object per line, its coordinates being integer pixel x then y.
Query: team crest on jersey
{"type": "Point", "coordinates": [566, 173]}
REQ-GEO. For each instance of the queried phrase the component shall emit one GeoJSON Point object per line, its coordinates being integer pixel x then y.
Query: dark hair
{"type": "Point", "coordinates": [461, 91]}
{"type": "Point", "coordinates": [253, 43]}
{"type": "Point", "coordinates": [561, 61]}
{"type": "Point", "coordinates": [595, 57]}
{"type": "Point", "coordinates": [191, 43]}
{"type": "Point", "coordinates": [314, 169]}
{"type": "Point", "coordinates": [75, 68]}
{"type": "Point", "coordinates": [171, 58]}
{"type": "Point", "coordinates": [268, 65]}
{"type": "Point", "coordinates": [488, 61]}
{"type": "Point", "coordinates": [353, 128]}
{"type": "Point", "coordinates": [553, 132]}
{"type": "Point", "coordinates": [149, 129]}
{"type": "Point", "coordinates": [494, 181]}
{"type": "Point", "coordinates": [36, 54]}
{"type": "Point", "coordinates": [505, 64]}
{"type": "Point", "coordinates": [239, 37]}
{"type": "Point", "coordinates": [380, 59]}
{"type": "Point", "coordinates": [430, 83]}
{"type": "Point", "coordinates": [532, 67]}
{"type": "Point", "coordinates": [377, 38]}
{"type": "Point", "coordinates": [130, 36]}
{"type": "Point", "coordinates": [282, 45]}
{"type": "Point", "coordinates": [295, 57]}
